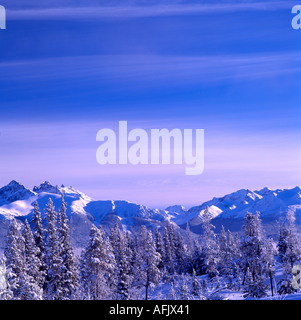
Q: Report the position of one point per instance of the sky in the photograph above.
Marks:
(70, 68)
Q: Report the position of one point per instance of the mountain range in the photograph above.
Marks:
(16, 201)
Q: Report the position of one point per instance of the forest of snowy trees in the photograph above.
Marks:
(39, 261)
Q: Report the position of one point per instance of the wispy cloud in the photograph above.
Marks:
(150, 68)
(132, 11)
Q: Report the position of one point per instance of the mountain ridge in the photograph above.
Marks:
(16, 201)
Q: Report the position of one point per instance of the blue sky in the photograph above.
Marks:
(70, 68)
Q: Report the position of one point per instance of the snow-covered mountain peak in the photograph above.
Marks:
(242, 196)
(70, 191)
(264, 191)
(14, 191)
(46, 187)
(14, 184)
(176, 210)
(236, 204)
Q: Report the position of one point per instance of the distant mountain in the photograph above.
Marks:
(230, 210)
(16, 201)
(176, 210)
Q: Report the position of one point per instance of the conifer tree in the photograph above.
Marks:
(159, 248)
(180, 255)
(291, 256)
(254, 288)
(123, 256)
(97, 266)
(68, 268)
(189, 259)
(292, 253)
(14, 259)
(209, 247)
(225, 256)
(53, 258)
(149, 271)
(172, 239)
(5, 290)
(198, 258)
(232, 260)
(172, 295)
(268, 262)
(251, 246)
(282, 241)
(168, 258)
(39, 238)
(139, 245)
(129, 251)
(32, 278)
(222, 247)
(196, 290)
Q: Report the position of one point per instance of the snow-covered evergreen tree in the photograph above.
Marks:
(197, 290)
(129, 251)
(150, 258)
(282, 241)
(172, 295)
(168, 257)
(251, 246)
(115, 238)
(123, 255)
(225, 257)
(5, 291)
(39, 238)
(291, 255)
(32, 278)
(254, 288)
(223, 243)
(139, 245)
(233, 258)
(268, 262)
(68, 269)
(229, 255)
(180, 255)
(197, 258)
(53, 258)
(14, 259)
(97, 266)
(172, 240)
(209, 247)
(38, 231)
(159, 248)
(184, 290)
(189, 258)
